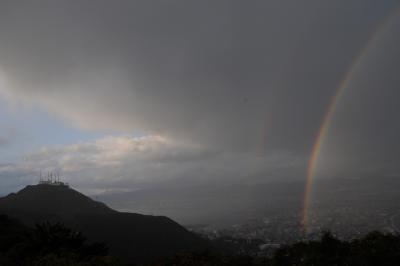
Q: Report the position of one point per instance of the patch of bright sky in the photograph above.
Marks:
(33, 128)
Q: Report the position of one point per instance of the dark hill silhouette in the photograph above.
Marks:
(58, 200)
(132, 237)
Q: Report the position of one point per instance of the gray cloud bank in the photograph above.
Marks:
(242, 77)
(7, 135)
(124, 163)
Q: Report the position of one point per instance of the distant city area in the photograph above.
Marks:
(269, 215)
(285, 229)
(260, 236)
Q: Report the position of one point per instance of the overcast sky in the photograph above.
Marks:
(122, 94)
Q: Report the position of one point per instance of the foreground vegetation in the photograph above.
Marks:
(48, 245)
(374, 249)
(56, 245)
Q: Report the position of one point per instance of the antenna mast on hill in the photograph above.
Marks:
(53, 178)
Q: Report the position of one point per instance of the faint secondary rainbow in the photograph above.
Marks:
(316, 148)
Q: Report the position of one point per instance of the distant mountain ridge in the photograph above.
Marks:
(133, 237)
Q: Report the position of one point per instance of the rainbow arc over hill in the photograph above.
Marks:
(327, 118)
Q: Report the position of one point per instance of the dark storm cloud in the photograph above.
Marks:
(217, 72)
(226, 75)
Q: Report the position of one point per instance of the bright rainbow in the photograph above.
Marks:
(316, 148)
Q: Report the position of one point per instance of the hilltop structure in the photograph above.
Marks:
(52, 179)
